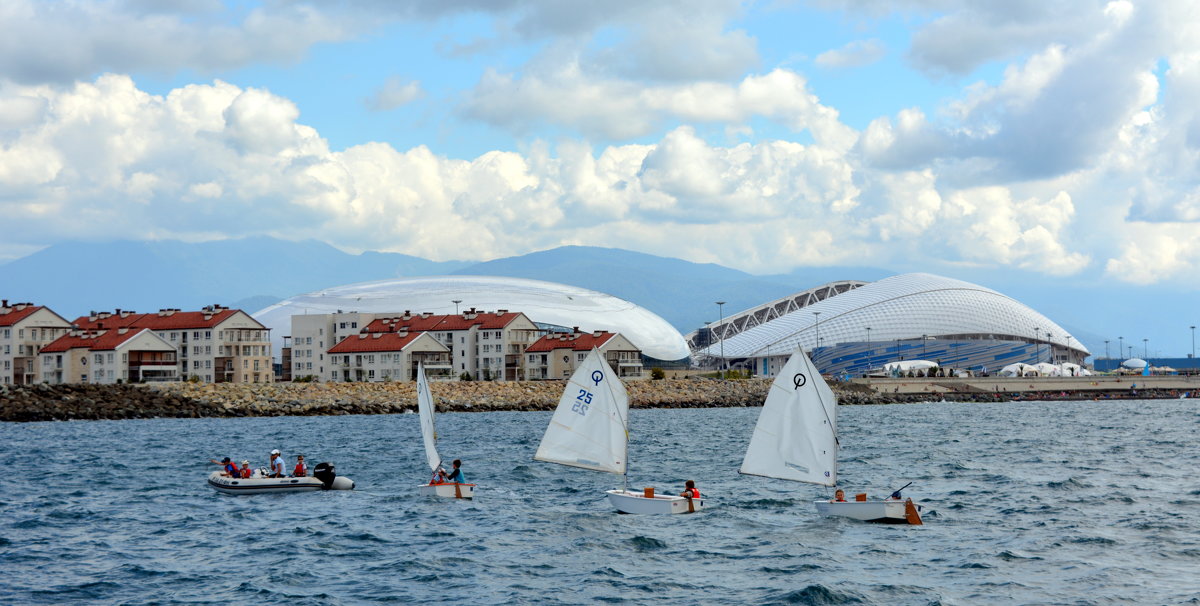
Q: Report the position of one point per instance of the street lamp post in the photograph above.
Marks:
(1106, 349)
(721, 327)
(818, 316)
(1037, 342)
(456, 302)
(1146, 349)
(923, 339)
(1120, 347)
(1050, 346)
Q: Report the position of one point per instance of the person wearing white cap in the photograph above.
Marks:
(276, 464)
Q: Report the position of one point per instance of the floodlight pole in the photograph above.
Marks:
(1037, 343)
(456, 302)
(721, 326)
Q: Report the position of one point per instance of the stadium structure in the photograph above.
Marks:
(854, 328)
(549, 304)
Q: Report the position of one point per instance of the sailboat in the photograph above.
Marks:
(796, 439)
(590, 430)
(451, 490)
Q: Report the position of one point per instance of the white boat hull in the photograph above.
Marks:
(449, 491)
(626, 501)
(887, 512)
(261, 485)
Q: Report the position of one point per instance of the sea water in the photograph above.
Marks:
(1032, 502)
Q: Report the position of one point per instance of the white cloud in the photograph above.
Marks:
(854, 54)
(394, 93)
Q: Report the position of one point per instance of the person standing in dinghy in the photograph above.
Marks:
(276, 464)
(230, 467)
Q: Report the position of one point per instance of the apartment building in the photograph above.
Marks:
(106, 356)
(213, 345)
(24, 329)
(483, 345)
(388, 356)
(557, 355)
(313, 335)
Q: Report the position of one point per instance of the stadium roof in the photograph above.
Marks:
(907, 306)
(542, 302)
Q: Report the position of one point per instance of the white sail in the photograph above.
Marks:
(796, 435)
(425, 407)
(590, 427)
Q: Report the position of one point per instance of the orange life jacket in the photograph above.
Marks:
(695, 492)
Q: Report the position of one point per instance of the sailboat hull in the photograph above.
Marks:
(626, 501)
(448, 491)
(884, 512)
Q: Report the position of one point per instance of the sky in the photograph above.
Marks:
(1053, 140)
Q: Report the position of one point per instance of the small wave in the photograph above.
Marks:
(1011, 555)
(768, 503)
(790, 569)
(819, 594)
(975, 565)
(1094, 541)
(608, 572)
(1068, 484)
(642, 543)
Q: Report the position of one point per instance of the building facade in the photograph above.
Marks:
(557, 355)
(214, 345)
(24, 329)
(117, 355)
(388, 356)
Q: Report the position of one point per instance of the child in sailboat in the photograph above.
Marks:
(456, 474)
(690, 491)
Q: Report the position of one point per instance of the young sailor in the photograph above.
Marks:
(229, 466)
(690, 491)
(301, 469)
(456, 475)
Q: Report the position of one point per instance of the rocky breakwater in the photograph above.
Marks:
(91, 402)
(63, 402)
(455, 396)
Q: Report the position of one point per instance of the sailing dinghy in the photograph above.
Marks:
(590, 430)
(452, 490)
(796, 439)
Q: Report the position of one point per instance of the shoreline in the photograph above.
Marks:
(194, 400)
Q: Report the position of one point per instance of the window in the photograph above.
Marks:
(208, 363)
(485, 335)
(499, 334)
(20, 333)
(110, 358)
(208, 334)
(208, 349)
(354, 325)
(173, 336)
(308, 340)
(99, 358)
(370, 374)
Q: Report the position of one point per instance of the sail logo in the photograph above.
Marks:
(597, 376)
(799, 468)
(799, 380)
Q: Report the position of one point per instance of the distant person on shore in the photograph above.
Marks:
(839, 496)
(230, 468)
(456, 475)
(301, 469)
(690, 491)
(245, 471)
(276, 464)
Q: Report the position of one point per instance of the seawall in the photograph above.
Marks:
(193, 400)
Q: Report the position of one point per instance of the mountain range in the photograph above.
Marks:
(74, 278)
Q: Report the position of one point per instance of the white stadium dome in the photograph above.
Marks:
(905, 307)
(542, 302)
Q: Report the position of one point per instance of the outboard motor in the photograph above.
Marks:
(326, 474)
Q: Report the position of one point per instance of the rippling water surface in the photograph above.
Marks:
(1029, 502)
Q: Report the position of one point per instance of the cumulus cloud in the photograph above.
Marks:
(854, 54)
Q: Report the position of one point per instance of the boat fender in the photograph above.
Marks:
(325, 473)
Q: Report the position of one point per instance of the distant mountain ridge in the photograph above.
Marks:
(252, 273)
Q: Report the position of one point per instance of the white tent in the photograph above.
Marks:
(1018, 370)
(1048, 370)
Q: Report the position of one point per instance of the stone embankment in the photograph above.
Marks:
(194, 400)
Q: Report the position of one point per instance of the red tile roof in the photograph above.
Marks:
(371, 342)
(179, 320)
(485, 320)
(94, 340)
(15, 315)
(579, 342)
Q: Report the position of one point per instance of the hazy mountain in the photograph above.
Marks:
(74, 278)
(251, 273)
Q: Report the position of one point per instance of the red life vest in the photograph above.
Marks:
(245, 473)
(300, 471)
(231, 469)
(695, 492)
